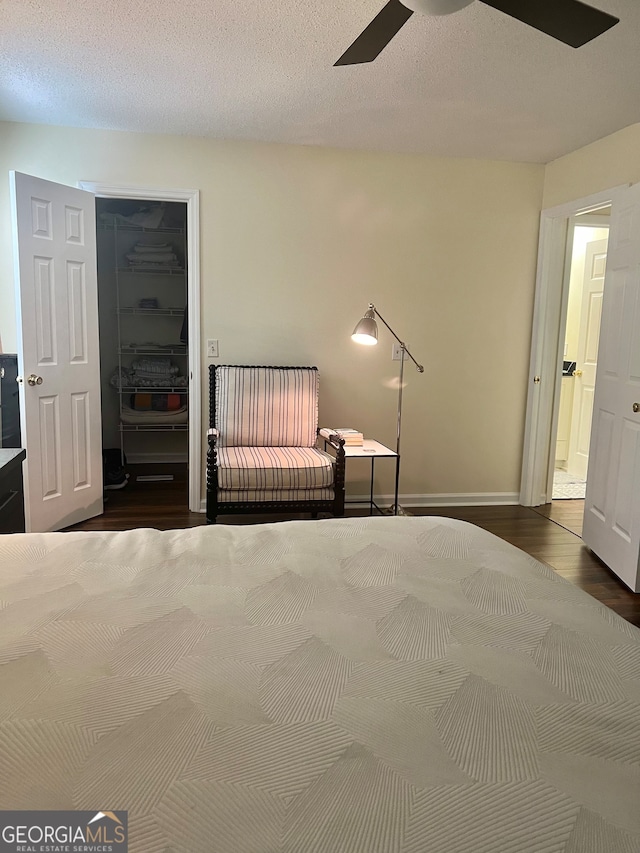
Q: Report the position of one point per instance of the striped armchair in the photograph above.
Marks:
(262, 455)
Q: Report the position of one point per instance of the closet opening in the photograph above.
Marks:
(142, 263)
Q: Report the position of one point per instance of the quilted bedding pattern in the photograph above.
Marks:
(385, 685)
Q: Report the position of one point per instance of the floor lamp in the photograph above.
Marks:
(366, 332)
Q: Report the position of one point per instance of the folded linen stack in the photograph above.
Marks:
(159, 368)
(153, 256)
(149, 373)
(126, 378)
(146, 216)
(151, 417)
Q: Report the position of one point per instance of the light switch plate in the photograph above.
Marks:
(212, 348)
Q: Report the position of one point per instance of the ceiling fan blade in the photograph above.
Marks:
(569, 21)
(389, 20)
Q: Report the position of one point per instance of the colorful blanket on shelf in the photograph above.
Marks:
(150, 402)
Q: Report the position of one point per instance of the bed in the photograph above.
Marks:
(378, 685)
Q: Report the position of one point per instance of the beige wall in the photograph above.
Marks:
(607, 163)
(297, 240)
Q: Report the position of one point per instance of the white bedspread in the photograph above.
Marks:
(386, 685)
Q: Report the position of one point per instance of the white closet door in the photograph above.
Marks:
(57, 305)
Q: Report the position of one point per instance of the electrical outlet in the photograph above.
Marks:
(396, 352)
(212, 348)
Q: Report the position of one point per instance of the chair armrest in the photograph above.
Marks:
(336, 443)
(332, 438)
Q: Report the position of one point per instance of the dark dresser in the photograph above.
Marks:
(9, 401)
(11, 490)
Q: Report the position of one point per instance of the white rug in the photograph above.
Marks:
(567, 487)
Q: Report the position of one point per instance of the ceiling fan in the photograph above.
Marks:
(569, 21)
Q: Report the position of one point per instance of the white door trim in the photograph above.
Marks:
(547, 343)
(192, 200)
(593, 221)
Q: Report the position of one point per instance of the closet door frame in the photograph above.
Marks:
(192, 199)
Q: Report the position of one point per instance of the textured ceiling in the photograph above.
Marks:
(473, 84)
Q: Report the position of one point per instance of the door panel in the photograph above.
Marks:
(612, 504)
(74, 224)
(76, 285)
(594, 315)
(601, 464)
(80, 422)
(587, 357)
(54, 231)
(49, 432)
(45, 300)
(627, 500)
(584, 429)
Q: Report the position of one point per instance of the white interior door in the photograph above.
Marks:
(612, 505)
(58, 354)
(587, 358)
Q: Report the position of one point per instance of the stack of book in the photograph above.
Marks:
(352, 438)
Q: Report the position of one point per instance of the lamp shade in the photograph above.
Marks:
(366, 331)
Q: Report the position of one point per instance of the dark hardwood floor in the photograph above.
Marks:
(549, 533)
(161, 505)
(568, 514)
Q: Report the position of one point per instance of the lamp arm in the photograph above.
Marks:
(402, 344)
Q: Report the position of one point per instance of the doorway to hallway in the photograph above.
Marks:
(588, 238)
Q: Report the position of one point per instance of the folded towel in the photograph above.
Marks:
(153, 265)
(131, 416)
(157, 374)
(157, 402)
(141, 402)
(151, 256)
(153, 247)
(149, 217)
(162, 380)
(154, 364)
(126, 378)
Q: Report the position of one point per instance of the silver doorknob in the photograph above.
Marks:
(32, 379)
(636, 407)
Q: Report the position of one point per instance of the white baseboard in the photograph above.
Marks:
(157, 458)
(473, 499)
(444, 499)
